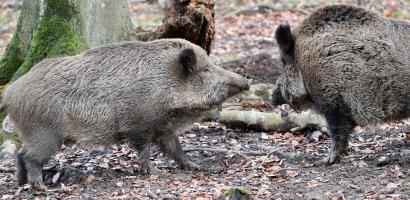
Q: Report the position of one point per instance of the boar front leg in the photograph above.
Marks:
(341, 125)
(143, 147)
(169, 144)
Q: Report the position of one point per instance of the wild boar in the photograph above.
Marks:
(351, 65)
(140, 92)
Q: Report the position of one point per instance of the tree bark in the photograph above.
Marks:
(18, 46)
(192, 20)
(52, 28)
(105, 21)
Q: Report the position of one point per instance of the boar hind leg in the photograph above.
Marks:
(341, 125)
(169, 144)
(21, 168)
(39, 150)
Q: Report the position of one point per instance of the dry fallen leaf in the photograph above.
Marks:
(313, 183)
(338, 198)
(360, 164)
(397, 171)
(120, 184)
(89, 178)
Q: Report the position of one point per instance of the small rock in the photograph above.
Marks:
(382, 161)
(89, 178)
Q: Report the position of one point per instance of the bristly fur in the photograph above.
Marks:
(133, 91)
(352, 65)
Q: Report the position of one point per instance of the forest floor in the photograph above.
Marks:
(377, 167)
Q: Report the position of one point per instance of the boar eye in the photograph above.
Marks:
(206, 69)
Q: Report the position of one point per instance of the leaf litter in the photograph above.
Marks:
(377, 167)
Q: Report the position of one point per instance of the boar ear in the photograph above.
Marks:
(188, 61)
(284, 38)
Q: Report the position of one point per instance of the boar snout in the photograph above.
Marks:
(277, 98)
(238, 84)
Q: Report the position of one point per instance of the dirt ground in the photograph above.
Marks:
(378, 167)
(267, 165)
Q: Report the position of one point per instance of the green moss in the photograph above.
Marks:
(228, 193)
(12, 138)
(53, 37)
(62, 8)
(11, 60)
(143, 36)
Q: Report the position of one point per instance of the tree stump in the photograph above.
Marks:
(192, 20)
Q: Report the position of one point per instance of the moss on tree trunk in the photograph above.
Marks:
(54, 35)
(51, 28)
(11, 60)
(18, 46)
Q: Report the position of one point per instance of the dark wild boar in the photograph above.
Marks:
(351, 65)
(140, 92)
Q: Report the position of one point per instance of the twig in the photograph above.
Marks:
(226, 151)
(63, 188)
(375, 142)
(8, 169)
(277, 152)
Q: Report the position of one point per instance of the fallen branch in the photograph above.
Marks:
(234, 116)
(226, 151)
(277, 152)
(375, 142)
(255, 120)
(8, 169)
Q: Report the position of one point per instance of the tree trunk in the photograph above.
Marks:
(18, 46)
(52, 28)
(192, 20)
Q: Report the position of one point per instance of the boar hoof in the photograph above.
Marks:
(145, 168)
(331, 159)
(38, 186)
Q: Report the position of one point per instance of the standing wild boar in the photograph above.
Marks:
(351, 65)
(140, 92)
